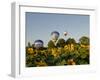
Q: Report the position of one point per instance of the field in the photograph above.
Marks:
(65, 52)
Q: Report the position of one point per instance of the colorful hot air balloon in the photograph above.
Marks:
(65, 33)
(55, 35)
(38, 44)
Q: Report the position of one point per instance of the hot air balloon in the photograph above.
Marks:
(38, 44)
(65, 33)
(55, 35)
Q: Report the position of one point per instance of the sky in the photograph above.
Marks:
(40, 26)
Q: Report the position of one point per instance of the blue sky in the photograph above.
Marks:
(40, 26)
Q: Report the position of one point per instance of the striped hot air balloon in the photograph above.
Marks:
(38, 44)
(55, 35)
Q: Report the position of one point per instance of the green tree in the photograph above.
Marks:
(61, 42)
(29, 44)
(84, 40)
(51, 44)
(70, 41)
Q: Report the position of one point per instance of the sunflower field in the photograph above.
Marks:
(68, 53)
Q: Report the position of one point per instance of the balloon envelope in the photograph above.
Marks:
(38, 43)
(54, 35)
(65, 33)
